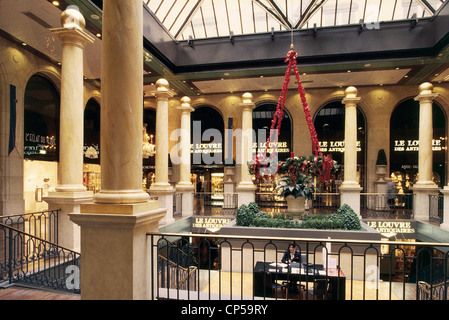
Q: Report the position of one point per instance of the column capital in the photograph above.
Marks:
(163, 90)
(426, 92)
(185, 105)
(76, 36)
(351, 96)
(247, 101)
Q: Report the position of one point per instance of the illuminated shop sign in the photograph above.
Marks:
(413, 145)
(281, 147)
(206, 148)
(336, 146)
(36, 144)
(208, 224)
(392, 228)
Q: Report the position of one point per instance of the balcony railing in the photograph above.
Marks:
(42, 224)
(25, 258)
(375, 205)
(239, 267)
(215, 203)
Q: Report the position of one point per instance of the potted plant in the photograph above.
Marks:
(381, 164)
(296, 183)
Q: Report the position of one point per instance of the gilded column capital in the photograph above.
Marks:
(163, 90)
(185, 106)
(426, 92)
(351, 96)
(247, 101)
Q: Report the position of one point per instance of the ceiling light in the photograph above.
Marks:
(397, 68)
(98, 35)
(94, 16)
(24, 44)
(349, 70)
(406, 76)
(56, 3)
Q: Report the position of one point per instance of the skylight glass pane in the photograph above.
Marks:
(183, 8)
(343, 9)
(316, 18)
(209, 19)
(329, 13)
(198, 26)
(294, 12)
(234, 16)
(260, 19)
(222, 19)
(372, 11)
(247, 20)
(402, 9)
(386, 10)
(154, 4)
(357, 11)
(163, 9)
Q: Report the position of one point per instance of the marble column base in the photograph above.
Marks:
(165, 200)
(116, 250)
(246, 193)
(422, 190)
(188, 191)
(350, 195)
(68, 203)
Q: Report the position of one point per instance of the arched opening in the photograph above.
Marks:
(92, 172)
(41, 141)
(330, 128)
(207, 134)
(404, 145)
(262, 116)
(149, 123)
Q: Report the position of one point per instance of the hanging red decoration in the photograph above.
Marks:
(327, 162)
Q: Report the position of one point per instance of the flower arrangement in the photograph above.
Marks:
(297, 174)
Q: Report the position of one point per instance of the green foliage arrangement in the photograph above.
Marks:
(344, 219)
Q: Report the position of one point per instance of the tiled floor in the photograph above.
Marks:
(23, 293)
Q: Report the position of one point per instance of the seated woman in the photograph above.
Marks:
(291, 255)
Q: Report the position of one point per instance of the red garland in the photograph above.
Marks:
(277, 119)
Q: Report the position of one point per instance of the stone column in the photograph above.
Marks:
(445, 224)
(424, 186)
(350, 188)
(246, 188)
(161, 188)
(70, 191)
(185, 186)
(114, 244)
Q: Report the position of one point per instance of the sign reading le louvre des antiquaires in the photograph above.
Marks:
(404, 228)
(413, 145)
(205, 224)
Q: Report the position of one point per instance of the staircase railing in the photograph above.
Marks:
(429, 291)
(25, 258)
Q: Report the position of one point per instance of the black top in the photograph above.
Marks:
(287, 257)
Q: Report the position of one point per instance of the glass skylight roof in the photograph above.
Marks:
(196, 19)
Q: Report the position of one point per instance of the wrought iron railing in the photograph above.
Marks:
(375, 205)
(42, 224)
(210, 203)
(252, 268)
(25, 258)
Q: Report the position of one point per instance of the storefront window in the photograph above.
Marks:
(262, 117)
(330, 127)
(41, 120)
(91, 169)
(207, 151)
(404, 145)
(149, 122)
